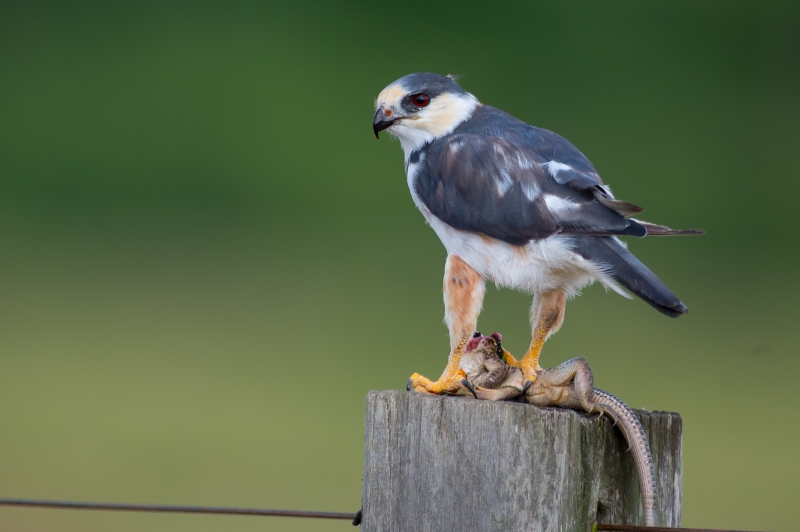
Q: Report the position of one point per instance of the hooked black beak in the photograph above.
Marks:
(381, 121)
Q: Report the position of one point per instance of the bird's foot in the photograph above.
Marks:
(529, 377)
(529, 365)
(528, 369)
(447, 384)
(509, 359)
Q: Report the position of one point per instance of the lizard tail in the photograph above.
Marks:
(634, 434)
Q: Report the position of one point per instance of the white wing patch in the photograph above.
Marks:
(524, 163)
(503, 182)
(530, 189)
(558, 205)
(528, 186)
(553, 167)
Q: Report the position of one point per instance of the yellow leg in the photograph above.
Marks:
(450, 381)
(547, 315)
(509, 359)
(463, 297)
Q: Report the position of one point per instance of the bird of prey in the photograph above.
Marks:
(515, 204)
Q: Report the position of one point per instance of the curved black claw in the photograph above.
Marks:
(358, 517)
(468, 385)
(476, 334)
(408, 385)
(527, 385)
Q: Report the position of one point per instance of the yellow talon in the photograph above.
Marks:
(448, 383)
(509, 359)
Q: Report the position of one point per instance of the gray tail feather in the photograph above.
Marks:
(663, 230)
(629, 271)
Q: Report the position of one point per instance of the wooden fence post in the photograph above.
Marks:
(455, 464)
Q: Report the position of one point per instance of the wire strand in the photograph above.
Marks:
(355, 518)
(174, 509)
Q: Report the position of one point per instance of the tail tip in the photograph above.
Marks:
(677, 310)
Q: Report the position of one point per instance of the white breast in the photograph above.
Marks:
(537, 267)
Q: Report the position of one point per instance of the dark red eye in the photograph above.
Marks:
(421, 100)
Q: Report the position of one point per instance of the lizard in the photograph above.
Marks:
(569, 385)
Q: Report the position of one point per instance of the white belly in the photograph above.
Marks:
(539, 266)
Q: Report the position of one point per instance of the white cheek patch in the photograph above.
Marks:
(558, 205)
(444, 113)
(440, 118)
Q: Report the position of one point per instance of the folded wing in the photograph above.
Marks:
(518, 188)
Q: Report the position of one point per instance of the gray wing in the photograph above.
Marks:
(519, 189)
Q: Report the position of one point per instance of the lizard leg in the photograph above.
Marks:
(463, 298)
(577, 373)
(583, 382)
(512, 384)
(547, 315)
(492, 394)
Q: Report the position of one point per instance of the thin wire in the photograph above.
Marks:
(634, 528)
(354, 518)
(172, 508)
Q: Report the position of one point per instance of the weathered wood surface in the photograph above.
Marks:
(450, 463)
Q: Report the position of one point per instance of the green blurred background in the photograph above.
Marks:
(208, 260)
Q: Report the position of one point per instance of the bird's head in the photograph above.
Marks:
(421, 107)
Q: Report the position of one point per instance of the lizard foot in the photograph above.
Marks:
(491, 394)
(601, 411)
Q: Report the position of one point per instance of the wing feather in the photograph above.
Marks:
(507, 190)
(499, 176)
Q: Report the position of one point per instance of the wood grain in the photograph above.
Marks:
(437, 463)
